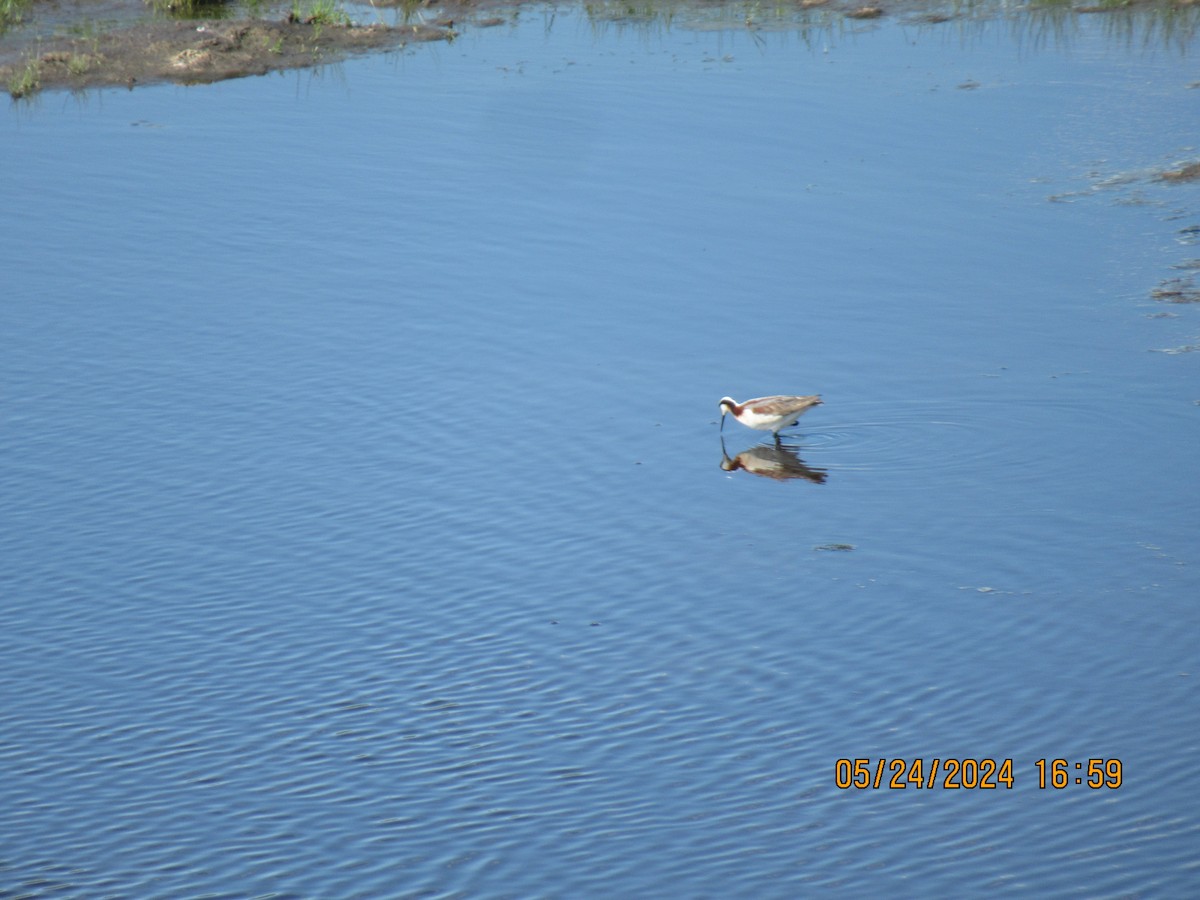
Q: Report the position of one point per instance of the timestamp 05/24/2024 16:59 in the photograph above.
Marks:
(973, 774)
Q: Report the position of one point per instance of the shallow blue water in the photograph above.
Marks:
(364, 525)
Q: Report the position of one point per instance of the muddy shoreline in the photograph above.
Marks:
(133, 45)
(156, 49)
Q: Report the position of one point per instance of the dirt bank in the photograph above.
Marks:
(198, 51)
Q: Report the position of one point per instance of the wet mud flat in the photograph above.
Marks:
(150, 49)
(70, 44)
(191, 52)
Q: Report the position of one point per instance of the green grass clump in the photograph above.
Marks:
(321, 12)
(189, 9)
(11, 13)
(79, 63)
(25, 81)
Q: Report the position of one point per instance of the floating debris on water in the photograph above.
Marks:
(1186, 172)
(1177, 290)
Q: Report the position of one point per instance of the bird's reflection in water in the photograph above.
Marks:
(779, 461)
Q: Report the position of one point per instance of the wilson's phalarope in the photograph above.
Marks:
(768, 413)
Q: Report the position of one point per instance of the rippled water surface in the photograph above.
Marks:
(367, 531)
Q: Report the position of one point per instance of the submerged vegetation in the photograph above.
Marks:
(1150, 21)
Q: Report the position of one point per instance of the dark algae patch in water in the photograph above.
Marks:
(1178, 290)
(1189, 172)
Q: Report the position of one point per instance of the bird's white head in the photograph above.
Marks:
(726, 405)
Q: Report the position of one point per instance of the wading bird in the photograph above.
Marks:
(768, 413)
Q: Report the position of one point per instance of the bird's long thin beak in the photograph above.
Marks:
(722, 428)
